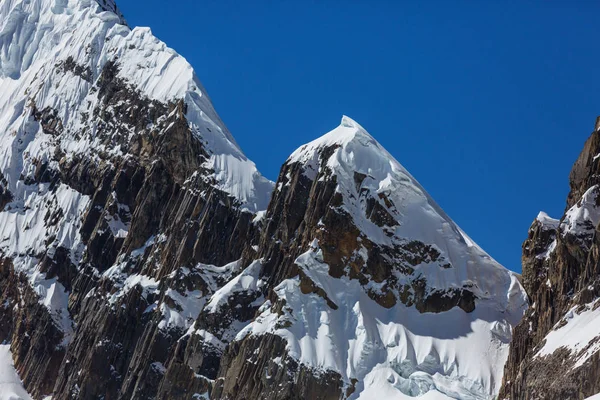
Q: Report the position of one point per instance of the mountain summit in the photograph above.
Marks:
(375, 291)
(55, 53)
(143, 256)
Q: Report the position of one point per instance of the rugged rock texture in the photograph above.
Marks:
(117, 198)
(561, 269)
(264, 376)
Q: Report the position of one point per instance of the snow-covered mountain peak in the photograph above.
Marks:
(380, 265)
(55, 52)
(347, 132)
(349, 122)
(391, 209)
(111, 5)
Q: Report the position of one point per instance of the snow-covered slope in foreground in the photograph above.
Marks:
(431, 318)
(11, 387)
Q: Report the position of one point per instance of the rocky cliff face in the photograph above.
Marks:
(143, 256)
(121, 188)
(554, 354)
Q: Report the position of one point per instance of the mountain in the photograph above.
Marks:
(375, 291)
(143, 256)
(554, 354)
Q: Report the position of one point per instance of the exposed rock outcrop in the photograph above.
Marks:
(554, 353)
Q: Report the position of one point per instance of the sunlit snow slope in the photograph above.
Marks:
(11, 387)
(50, 53)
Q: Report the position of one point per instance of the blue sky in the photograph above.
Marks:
(487, 103)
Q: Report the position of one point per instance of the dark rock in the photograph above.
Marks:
(556, 281)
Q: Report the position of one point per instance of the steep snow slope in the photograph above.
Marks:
(417, 215)
(11, 387)
(412, 333)
(42, 39)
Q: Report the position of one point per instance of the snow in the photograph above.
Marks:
(213, 275)
(247, 281)
(418, 215)
(11, 387)
(547, 221)
(36, 35)
(584, 216)
(594, 397)
(146, 283)
(190, 304)
(395, 353)
(581, 329)
(54, 296)
(25, 236)
(260, 216)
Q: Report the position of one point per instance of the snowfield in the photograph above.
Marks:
(11, 387)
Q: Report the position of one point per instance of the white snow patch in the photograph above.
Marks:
(547, 221)
(11, 386)
(259, 217)
(584, 216)
(247, 281)
(580, 329)
(190, 305)
(146, 283)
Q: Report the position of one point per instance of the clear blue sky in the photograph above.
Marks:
(487, 103)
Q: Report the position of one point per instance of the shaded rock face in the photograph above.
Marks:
(561, 268)
(266, 374)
